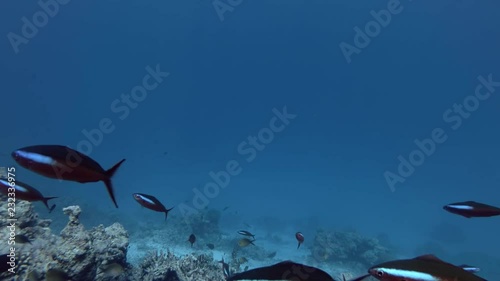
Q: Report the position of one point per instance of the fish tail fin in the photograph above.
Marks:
(107, 181)
(166, 212)
(45, 201)
(109, 173)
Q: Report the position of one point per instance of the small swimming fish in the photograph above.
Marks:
(286, 270)
(245, 242)
(192, 239)
(26, 192)
(300, 238)
(150, 202)
(470, 209)
(114, 270)
(225, 269)
(22, 239)
(271, 255)
(246, 268)
(210, 246)
(56, 275)
(246, 233)
(64, 163)
(426, 267)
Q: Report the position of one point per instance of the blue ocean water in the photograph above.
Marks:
(233, 70)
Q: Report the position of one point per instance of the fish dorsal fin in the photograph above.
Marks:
(429, 257)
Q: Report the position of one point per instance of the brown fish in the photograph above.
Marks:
(470, 209)
(286, 270)
(426, 267)
(64, 163)
(300, 238)
(24, 191)
(150, 202)
(192, 239)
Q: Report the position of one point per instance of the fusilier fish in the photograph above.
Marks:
(470, 209)
(426, 268)
(150, 202)
(25, 191)
(64, 163)
(300, 238)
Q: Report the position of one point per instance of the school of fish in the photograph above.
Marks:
(63, 163)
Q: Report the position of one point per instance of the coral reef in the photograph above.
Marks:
(158, 266)
(77, 252)
(87, 254)
(348, 248)
(102, 253)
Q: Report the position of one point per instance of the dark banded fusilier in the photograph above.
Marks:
(63, 163)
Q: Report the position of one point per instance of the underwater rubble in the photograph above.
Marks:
(86, 254)
(165, 266)
(348, 248)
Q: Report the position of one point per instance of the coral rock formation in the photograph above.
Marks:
(348, 248)
(77, 252)
(159, 266)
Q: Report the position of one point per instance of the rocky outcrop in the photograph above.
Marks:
(164, 266)
(348, 248)
(79, 253)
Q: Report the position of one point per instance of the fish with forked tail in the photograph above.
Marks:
(426, 267)
(24, 191)
(150, 202)
(471, 209)
(64, 163)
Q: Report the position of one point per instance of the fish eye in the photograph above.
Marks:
(380, 273)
